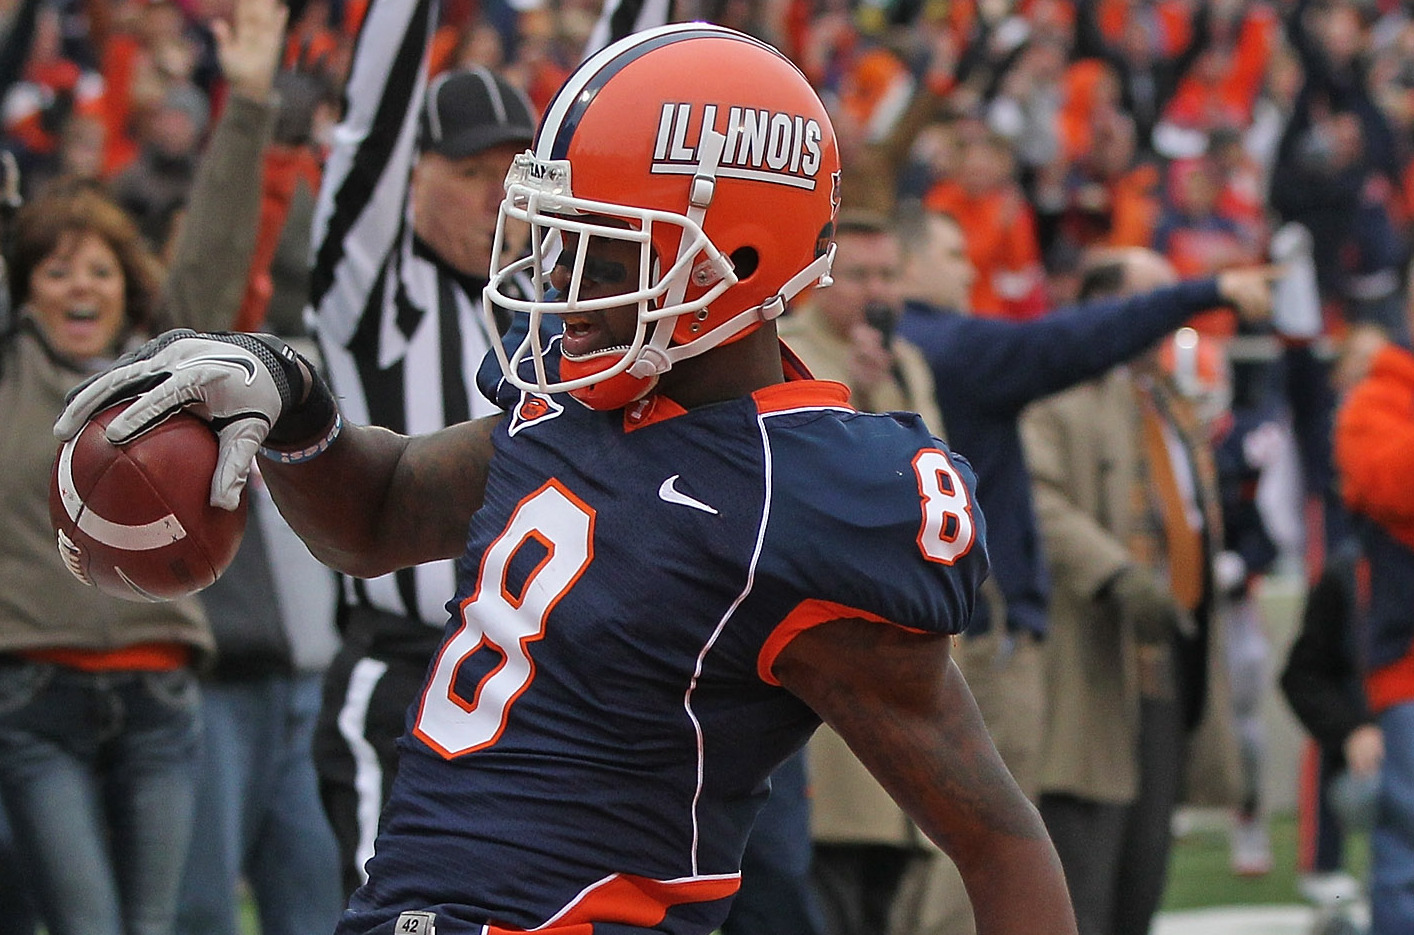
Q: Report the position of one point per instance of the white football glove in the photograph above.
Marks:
(245, 385)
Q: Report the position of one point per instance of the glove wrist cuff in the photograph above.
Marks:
(307, 407)
(304, 423)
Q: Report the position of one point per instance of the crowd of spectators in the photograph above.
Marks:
(1195, 127)
(1045, 128)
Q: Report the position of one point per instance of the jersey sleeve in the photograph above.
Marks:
(871, 518)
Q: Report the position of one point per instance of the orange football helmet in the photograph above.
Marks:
(707, 149)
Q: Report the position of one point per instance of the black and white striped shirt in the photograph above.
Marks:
(401, 333)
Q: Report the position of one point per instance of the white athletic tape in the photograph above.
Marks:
(153, 535)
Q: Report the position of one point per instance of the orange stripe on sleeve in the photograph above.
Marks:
(807, 614)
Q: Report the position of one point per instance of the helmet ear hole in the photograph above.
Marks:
(744, 261)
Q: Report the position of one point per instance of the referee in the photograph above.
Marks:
(402, 243)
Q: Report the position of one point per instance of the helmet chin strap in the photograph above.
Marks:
(771, 309)
(655, 357)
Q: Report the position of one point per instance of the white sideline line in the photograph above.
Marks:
(1244, 920)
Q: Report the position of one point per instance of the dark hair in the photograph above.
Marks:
(1102, 279)
(44, 224)
(860, 221)
(911, 221)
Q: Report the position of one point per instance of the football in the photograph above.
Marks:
(133, 520)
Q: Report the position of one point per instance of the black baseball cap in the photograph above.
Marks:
(472, 109)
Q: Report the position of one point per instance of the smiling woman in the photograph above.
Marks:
(82, 274)
(85, 287)
(98, 696)
(77, 296)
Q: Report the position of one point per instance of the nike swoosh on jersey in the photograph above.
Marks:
(668, 493)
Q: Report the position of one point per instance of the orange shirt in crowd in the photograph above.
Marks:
(311, 41)
(1373, 444)
(119, 64)
(1228, 100)
(1086, 86)
(1134, 207)
(285, 168)
(1002, 244)
(1244, 199)
(102, 97)
(876, 86)
(445, 42)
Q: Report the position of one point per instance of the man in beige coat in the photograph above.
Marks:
(1129, 673)
(845, 332)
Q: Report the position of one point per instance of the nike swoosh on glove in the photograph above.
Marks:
(245, 385)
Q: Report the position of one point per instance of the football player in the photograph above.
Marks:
(677, 552)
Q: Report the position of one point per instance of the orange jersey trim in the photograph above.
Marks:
(794, 393)
(809, 613)
(1390, 685)
(631, 900)
(650, 410)
(144, 657)
(801, 394)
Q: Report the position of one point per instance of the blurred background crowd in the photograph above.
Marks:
(1221, 135)
(1198, 128)
(1045, 126)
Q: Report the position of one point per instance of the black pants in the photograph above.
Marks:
(857, 884)
(1116, 857)
(362, 715)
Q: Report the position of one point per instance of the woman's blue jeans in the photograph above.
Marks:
(98, 775)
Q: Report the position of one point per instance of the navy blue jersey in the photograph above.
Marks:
(598, 728)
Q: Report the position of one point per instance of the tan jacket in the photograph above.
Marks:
(1081, 447)
(827, 355)
(41, 605)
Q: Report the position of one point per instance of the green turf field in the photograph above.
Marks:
(1199, 875)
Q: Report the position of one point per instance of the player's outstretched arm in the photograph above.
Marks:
(902, 706)
(366, 501)
(376, 501)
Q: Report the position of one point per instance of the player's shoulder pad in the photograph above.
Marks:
(876, 513)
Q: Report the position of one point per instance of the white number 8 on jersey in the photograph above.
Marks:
(495, 620)
(948, 530)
